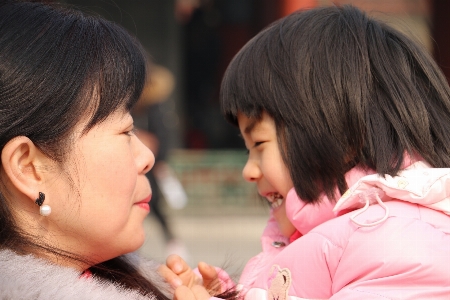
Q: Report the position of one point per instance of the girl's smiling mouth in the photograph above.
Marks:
(275, 200)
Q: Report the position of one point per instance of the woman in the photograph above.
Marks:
(73, 188)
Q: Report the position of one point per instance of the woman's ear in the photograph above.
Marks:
(22, 162)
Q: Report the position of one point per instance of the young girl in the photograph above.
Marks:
(347, 123)
(73, 192)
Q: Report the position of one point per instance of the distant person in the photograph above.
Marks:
(347, 124)
(156, 136)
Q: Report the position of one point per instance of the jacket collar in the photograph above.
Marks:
(305, 216)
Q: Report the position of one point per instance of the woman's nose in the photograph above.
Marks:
(145, 159)
(251, 171)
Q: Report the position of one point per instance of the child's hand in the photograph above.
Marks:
(210, 278)
(177, 272)
(197, 292)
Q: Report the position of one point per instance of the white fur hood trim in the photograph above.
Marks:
(419, 183)
(26, 277)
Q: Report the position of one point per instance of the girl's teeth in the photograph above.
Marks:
(275, 200)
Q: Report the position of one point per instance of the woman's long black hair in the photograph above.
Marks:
(58, 66)
(344, 90)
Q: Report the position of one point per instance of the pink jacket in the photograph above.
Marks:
(386, 238)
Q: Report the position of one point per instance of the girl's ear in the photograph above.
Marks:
(22, 162)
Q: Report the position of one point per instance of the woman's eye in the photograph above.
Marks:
(257, 144)
(130, 132)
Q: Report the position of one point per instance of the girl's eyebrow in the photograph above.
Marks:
(250, 126)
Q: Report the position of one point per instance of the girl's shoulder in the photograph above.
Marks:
(401, 250)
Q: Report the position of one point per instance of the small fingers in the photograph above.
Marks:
(169, 276)
(197, 292)
(210, 277)
(200, 292)
(183, 293)
(181, 269)
(177, 264)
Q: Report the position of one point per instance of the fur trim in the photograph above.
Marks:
(27, 277)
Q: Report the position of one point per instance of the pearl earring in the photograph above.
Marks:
(44, 210)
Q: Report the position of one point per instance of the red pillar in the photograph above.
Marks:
(289, 6)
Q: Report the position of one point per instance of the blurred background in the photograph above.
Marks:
(205, 210)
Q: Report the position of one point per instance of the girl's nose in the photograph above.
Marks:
(251, 171)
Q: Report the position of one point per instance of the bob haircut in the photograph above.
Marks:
(343, 90)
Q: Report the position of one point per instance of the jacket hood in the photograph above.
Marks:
(418, 183)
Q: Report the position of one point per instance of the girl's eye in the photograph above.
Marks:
(254, 146)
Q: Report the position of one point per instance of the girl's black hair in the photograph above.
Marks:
(59, 67)
(344, 90)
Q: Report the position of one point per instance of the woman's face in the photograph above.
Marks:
(101, 198)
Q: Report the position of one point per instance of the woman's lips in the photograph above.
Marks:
(144, 204)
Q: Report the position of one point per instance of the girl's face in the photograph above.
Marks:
(265, 166)
(101, 198)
